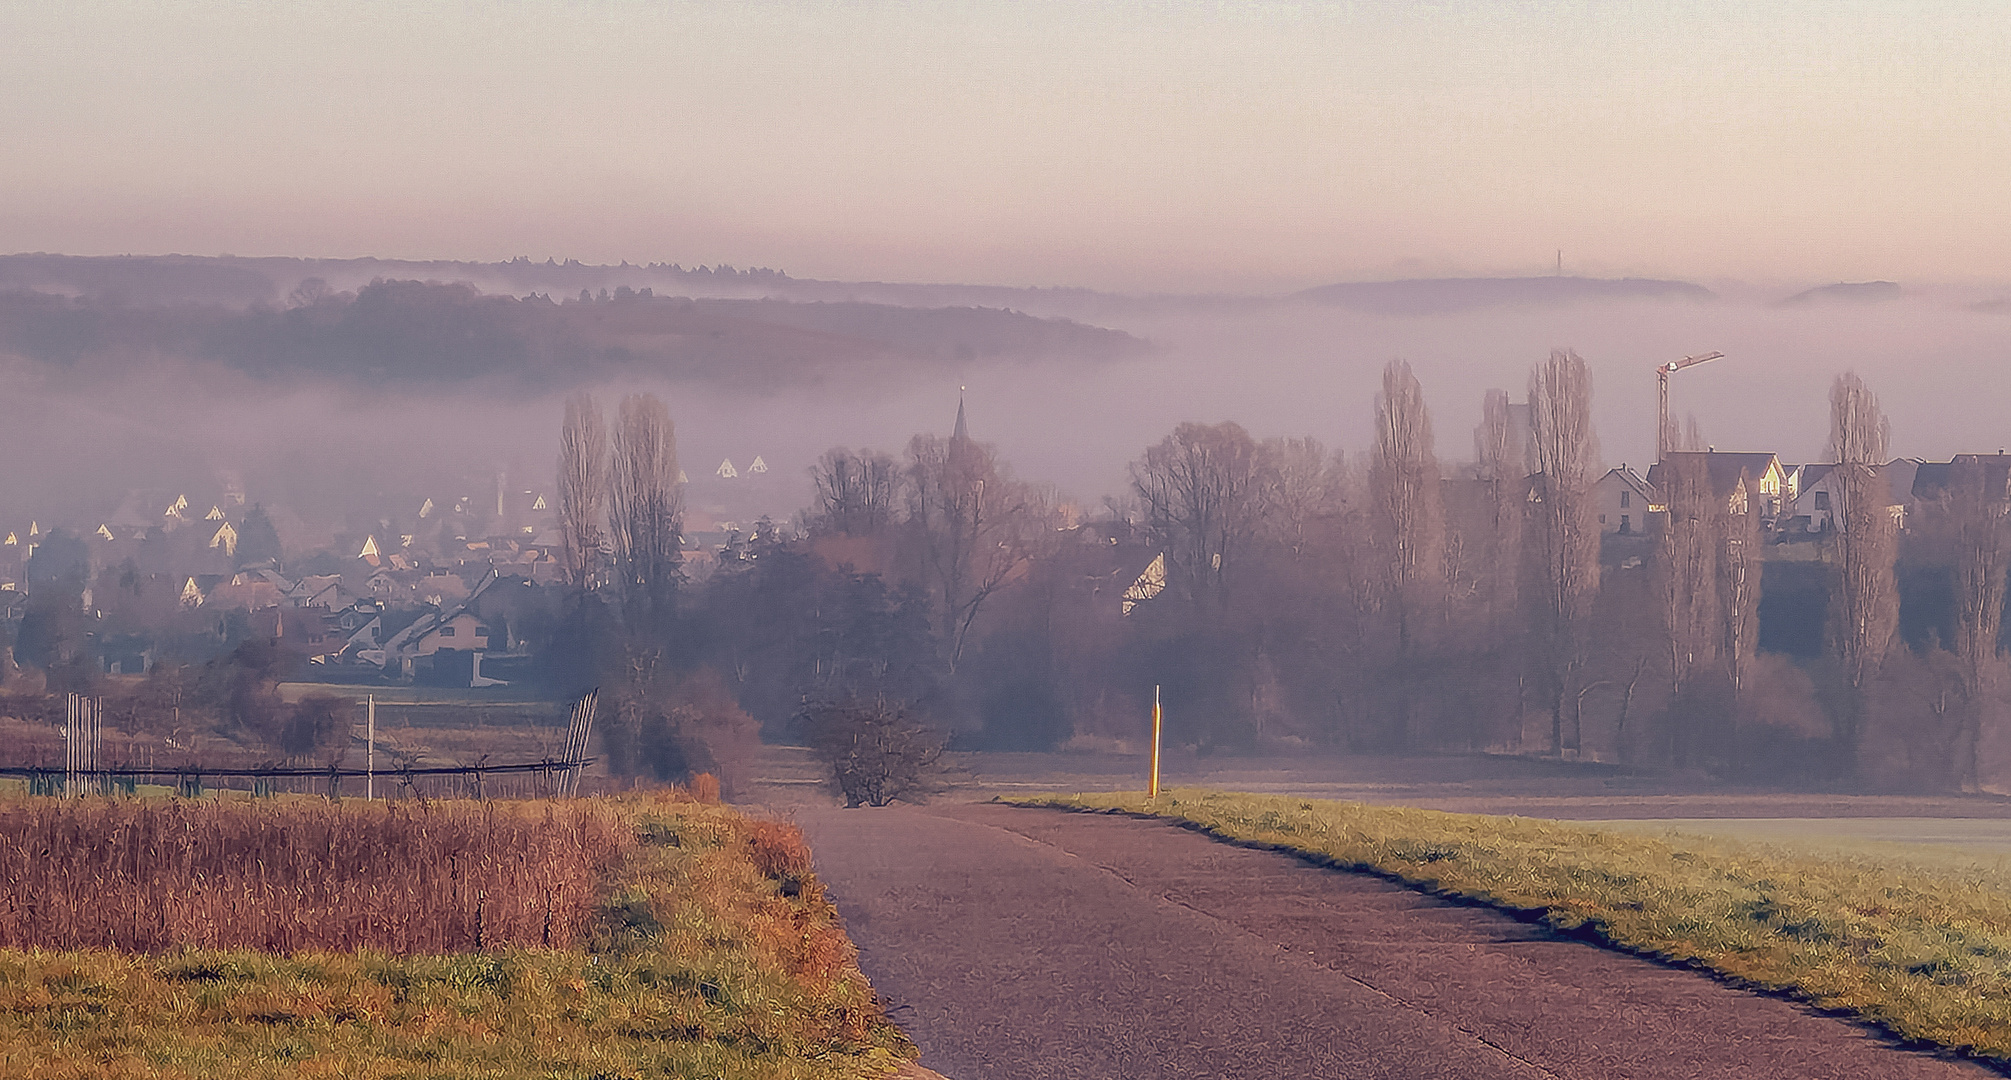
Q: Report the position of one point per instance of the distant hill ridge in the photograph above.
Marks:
(429, 333)
(1848, 292)
(147, 280)
(1437, 295)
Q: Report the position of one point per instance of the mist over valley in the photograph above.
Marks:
(347, 388)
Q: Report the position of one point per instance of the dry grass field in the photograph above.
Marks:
(304, 938)
(404, 877)
(1920, 949)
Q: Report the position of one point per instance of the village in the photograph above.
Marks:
(433, 596)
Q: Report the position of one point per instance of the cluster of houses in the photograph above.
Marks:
(404, 596)
(403, 602)
(1797, 504)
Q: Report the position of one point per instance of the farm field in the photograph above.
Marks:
(644, 935)
(1979, 844)
(1920, 945)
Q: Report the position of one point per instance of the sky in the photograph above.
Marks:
(1139, 146)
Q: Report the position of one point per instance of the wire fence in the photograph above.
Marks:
(550, 777)
(83, 773)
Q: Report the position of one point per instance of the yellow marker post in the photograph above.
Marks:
(1158, 721)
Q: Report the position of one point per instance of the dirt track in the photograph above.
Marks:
(1027, 943)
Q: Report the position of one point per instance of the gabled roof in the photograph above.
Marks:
(265, 574)
(431, 618)
(1813, 473)
(1632, 480)
(1899, 476)
(196, 588)
(314, 585)
(1932, 479)
(1725, 469)
(397, 622)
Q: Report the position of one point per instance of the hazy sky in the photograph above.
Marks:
(1225, 145)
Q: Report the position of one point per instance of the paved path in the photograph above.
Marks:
(1027, 943)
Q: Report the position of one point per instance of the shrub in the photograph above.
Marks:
(674, 728)
(779, 849)
(876, 750)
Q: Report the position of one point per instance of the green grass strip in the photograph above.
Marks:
(1922, 951)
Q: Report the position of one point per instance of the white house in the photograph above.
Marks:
(1622, 498)
(1817, 495)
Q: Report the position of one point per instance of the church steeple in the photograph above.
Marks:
(961, 434)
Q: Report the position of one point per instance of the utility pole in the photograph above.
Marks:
(370, 747)
(1662, 373)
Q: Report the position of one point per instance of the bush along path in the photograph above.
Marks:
(708, 947)
(1920, 952)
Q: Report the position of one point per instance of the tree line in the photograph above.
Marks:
(1285, 595)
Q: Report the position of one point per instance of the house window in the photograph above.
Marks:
(1626, 525)
(1626, 499)
(446, 631)
(1822, 500)
(1602, 519)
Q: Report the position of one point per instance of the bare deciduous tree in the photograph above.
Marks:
(975, 526)
(1567, 452)
(583, 463)
(1404, 492)
(1687, 566)
(1740, 563)
(1304, 485)
(1864, 613)
(1978, 502)
(646, 506)
(856, 493)
(1409, 516)
(1203, 488)
(1503, 467)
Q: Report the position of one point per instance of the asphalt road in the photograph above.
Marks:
(1028, 943)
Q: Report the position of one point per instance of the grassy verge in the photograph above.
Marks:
(711, 951)
(1922, 951)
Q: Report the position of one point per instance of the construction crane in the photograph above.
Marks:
(1662, 373)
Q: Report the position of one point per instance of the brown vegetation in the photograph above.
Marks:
(876, 750)
(700, 945)
(307, 875)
